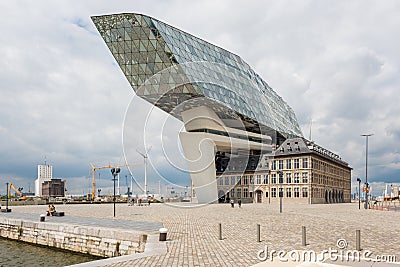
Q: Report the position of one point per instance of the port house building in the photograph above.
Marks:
(238, 131)
(299, 171)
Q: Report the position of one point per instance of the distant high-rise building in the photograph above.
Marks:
(45, 173)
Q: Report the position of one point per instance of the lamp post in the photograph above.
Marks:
(366, 168)
(359, 193)
(129, 192)
(114, 172)
(7, 209)
(119, 188)
(8, 192)
(269, 187)
(7, 196)
(280, 173)
(131, 184)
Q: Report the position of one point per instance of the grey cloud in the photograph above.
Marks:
(62, 94)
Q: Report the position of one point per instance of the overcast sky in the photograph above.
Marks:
(63, 96)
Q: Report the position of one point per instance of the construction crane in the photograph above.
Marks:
(94, 168)
(18, 191)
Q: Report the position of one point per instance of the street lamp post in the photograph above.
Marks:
(7, 196)
(131, 184)
(366, 169)
(7, 209)
(8, 191)
(114, 172)
(280, 173)
(269, 186)
(129, 192)
(359, 193)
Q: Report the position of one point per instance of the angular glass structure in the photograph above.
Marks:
(231, 116)
(144, 47)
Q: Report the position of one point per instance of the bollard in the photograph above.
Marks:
(258, 233)
(163, 234)
(303, 236)
(358, 240)
(42, 217)
(220, 231)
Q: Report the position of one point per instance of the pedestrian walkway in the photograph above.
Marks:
(142, 226)
(193, 233)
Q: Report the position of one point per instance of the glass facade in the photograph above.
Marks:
(168, 67)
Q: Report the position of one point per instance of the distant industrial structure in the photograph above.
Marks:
(54, 188)
(46, 186)
(390, 193)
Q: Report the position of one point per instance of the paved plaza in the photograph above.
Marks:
(193, 238)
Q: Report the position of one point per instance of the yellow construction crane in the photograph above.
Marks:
(94, 168)
(21, 196)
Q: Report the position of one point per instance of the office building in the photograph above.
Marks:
(45, 173)
(232, 117)
(299, 170)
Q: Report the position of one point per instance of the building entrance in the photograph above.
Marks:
(259, 196)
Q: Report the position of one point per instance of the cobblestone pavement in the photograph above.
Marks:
(193, 232)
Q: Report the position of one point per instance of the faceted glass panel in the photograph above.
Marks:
(146, 48)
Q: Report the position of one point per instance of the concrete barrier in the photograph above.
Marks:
(96, 241)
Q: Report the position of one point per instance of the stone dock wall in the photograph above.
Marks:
(21, 203)
(96, 241)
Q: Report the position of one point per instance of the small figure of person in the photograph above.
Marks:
(240, 203)
(51, 210)
(149, 201)
(140, 202)
(232, 203)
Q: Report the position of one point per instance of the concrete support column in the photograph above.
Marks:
(200, 155)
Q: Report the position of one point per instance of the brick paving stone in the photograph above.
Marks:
(193, 232)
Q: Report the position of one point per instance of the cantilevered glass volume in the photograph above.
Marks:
(214, 92)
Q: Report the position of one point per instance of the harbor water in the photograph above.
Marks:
(14, 253)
